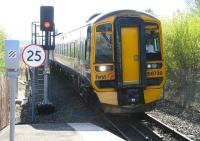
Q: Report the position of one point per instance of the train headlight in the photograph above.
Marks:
(103, 68)
(154, 66)
(148, 66)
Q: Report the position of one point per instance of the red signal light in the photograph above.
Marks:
(47, 24)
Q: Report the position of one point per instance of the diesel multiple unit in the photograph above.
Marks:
(116, 59)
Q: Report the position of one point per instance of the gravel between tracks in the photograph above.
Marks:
(184, 121)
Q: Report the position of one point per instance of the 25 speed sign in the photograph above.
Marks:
(33, 55)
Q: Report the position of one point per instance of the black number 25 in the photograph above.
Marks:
(37, 54)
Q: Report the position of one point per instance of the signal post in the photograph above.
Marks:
(47, 26)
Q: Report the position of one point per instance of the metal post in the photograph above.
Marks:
(33, 95)
(35, 34)
(46, 67)
(12, 75)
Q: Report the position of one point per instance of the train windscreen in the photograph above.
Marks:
(152, 38)
(104, 47)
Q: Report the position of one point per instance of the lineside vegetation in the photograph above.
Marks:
(181, 37)
(2, 38)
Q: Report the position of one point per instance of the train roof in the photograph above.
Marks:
(99, 16)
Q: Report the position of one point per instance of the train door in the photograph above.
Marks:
(130, 55)
(130, 52)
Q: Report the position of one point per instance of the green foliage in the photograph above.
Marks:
(2, 38)
(182, 42)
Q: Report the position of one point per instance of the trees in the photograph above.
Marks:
(150, 11)
(182, 43)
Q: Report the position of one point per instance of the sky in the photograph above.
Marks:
(16, 15)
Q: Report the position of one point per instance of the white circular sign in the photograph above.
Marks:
(33, 55)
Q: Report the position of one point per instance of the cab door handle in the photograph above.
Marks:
(136, 58)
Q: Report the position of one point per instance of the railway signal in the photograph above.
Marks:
(47, 18)
(47, 26)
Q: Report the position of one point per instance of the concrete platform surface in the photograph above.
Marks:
(59, 132)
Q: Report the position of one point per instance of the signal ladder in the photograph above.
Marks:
(37, 38)
(36, 75)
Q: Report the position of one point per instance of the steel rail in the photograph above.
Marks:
(175, 133)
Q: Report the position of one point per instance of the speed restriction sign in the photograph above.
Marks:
(33, 55)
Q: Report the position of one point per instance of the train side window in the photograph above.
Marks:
(83, 50)
(59, 49)
(68, 52)
(88, 45)
(76, 50)
(63, 49)
(73, 50)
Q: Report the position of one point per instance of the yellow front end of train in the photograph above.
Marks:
(127, 61)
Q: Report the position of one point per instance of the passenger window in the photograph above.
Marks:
(88, 45)
(69, 50)
(83, 50)
(72, 50)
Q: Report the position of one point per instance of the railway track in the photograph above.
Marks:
(133, 129)
(139, 128)
(177, 135)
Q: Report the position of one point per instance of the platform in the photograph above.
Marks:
(60, 132)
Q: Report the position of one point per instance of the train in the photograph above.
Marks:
(115, 60)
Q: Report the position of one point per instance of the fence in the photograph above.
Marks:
(4, 101)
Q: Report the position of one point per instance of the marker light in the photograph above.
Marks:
(154, 66)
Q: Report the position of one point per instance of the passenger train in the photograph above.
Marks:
(108, 61)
